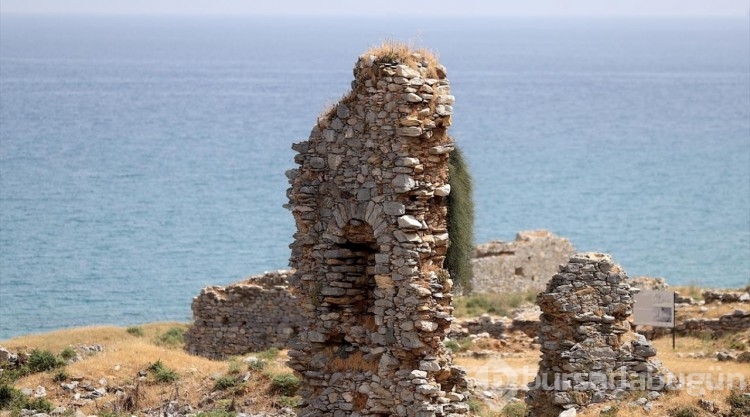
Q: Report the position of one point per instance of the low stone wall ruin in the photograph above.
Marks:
(713, 296)
(737, 321)
(268, 306)
(527, 263)
(255, 314)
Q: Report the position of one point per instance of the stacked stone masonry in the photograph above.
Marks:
(252, 315)
(525, 264)
(726, 297)
(369, 203)
(589, 352)
(736, 321)
(259, 313)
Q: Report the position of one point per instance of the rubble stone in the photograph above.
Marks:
(255, 314)
(713, 296)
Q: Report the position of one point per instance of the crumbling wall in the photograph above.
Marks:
(715, 296)
(589, 352)
(527, 263)
(255, 314)
(734, 322)
(369, 203)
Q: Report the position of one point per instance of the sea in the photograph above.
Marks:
(143, 157)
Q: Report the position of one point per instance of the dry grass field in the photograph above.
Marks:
(126, 366)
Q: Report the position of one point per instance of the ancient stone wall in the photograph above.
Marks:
(736, 321)
(255, 314)
(589, 352)
(714, 296)
(369, 203)
(527, 263)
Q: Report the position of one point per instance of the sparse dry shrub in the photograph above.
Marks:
(130, 399)
(685, 411)
(514, 409)
(396, 52)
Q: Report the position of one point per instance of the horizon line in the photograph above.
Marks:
(374, 15)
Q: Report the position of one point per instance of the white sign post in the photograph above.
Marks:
(654, 308)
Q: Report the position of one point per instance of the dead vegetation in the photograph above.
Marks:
(139, 374)
(395, 52)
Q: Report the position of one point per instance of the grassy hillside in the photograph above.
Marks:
(145, 368)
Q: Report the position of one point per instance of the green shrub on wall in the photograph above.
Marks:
(460, 223)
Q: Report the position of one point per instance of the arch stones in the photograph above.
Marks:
(369, 204)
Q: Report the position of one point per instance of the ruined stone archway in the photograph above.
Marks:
(352, 296)
(370, 243)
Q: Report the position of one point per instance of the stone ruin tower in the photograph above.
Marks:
(369, 203)
(589, 352)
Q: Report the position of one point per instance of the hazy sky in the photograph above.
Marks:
(407, 7)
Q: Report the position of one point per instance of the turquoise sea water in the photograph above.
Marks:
(142, 158)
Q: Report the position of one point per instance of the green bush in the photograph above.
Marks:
(739, 404)
(156, 366)
(68, 353)
(284, 384)
(285, 401)
(269, 354)
(174, 337)
(225, 382)
(39, 404)
(135, 331)
(13, 399)
(514, 409)
(7, 393)
(166, 375)
(460, 204)
(61, 376)
(162, 373)
(8, 376)
(257, 365)
(457, 346)
(235, 366)
(43, 361)
(452, 345)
